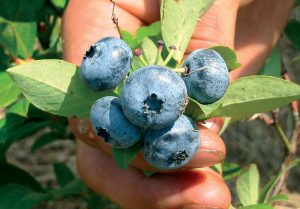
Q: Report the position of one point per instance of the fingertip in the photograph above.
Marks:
(212, 149)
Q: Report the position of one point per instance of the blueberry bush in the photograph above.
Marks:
(39, 91)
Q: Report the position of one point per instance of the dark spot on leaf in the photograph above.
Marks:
(152, 104)
(178, 157)
(103, 133)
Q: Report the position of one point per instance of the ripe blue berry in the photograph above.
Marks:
(153, 97)
(110, 123)
(208, 77)
(106, 63)
(173, 146)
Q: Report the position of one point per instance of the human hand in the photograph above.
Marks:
(87, 21)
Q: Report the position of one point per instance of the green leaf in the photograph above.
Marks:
(26, 36)
(45, 140)
(8, 38)
(5, 60)
(74, 187)
(129, 39)
(63, 174)
(226, 123)
(8, 91)
(8, 133)
(178, 22)
(21, 10)
(292, 32)
(267, 189)
(199, 112)
(20, 37)
(12, 174)
(20, 108)
(247, 186)
(55, 86)
(230, 170)
(149, 54)
(14, 196)
(256, 94)
(61, 4)
(151, 30)
(149, 51)
(30, 200)
(228, 55)
(217, 168)
(136, 64)
(123, 157)
(93, 201)
(279, 197)
(55, 34)
(297, 2)
(258, 206)
(272, 65)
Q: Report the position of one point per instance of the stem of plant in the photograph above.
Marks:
(141, 58)
(294, 142)
(180, 70)
(115, 19)
(281, 133)
(139, 53)
(160, 46)
(172, 50)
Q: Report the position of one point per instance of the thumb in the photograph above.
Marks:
(216, 26)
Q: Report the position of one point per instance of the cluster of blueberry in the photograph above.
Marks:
(152, 100)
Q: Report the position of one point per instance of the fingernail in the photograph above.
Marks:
(208, 124)
(198, 207)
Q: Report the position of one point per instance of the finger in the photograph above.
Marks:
(259, 26)
(85, 22)
(146, 10)
(216, 26)
(211, 151)
(129, 188)
(214, 124)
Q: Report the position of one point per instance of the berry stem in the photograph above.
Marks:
(172, 50)
(115, 19)
(139, 53)
(180, 70)
(160, 46)
(141, 58)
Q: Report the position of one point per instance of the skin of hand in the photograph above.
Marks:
(251, 27)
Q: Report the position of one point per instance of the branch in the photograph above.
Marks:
(115, 19)
(292, 145)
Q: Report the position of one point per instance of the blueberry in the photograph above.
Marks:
(208, 77)
(106, 63)
(173, 146)
(110, 123)
(153, 97)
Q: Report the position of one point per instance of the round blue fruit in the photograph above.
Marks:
(153, 97)
(208, 77)
(173, 146)
(105, 64)
(110, 123)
